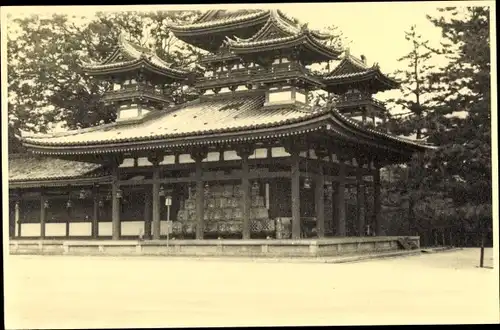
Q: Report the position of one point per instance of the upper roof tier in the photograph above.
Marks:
(209, 31)
(129, 57)
(280, 33)
(353, 72)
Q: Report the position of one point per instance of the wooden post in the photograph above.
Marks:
(295, 183)
(319, 198)
(379, 226)
(115, 205)
(156, 224)
(246, 202)
(95, 216)
(147, 214)
(198, 157)
(17, 219)
(481, 260)
(43, 213)
(155, 158)
(340, 198)
(360, 199)
(68, 217)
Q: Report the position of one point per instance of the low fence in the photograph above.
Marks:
(450, 237)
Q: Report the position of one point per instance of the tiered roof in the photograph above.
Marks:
(210, 29)
(279, 33)
(352, 70)
(238, 116)
(223, 119)
(128, 56)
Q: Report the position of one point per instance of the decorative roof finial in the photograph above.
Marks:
(347, 52)
(363, 59)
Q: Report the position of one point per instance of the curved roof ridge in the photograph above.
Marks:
(220, 21)
(274, 20)
(361, 128)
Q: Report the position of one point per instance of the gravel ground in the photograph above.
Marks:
(85, 292)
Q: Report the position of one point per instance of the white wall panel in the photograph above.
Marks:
(55, 229)
(105, 228)
(132, 228)
(80, 229)
(30, 230)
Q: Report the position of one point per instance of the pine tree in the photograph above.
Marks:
(462, 166)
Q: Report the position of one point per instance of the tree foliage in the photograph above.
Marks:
(46, 84)
(415, 87)
(451, 186)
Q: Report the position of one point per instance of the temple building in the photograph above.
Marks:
(250, 157)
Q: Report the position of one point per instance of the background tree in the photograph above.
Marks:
(46, 84)
(462, 167)
(415, 87)
(451, 186)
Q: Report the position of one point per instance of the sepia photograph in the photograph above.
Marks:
(228, 165)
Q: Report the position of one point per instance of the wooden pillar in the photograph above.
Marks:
(295, 183)
(340, 198)
(246, 201)
(147, 214)
(43, 213)
(155, 159)
(68, 218)
(95, 215)
(115, 205)
(319, 200)
(377, 219)
(198, 157)
(155, 199)
(17, 219)
(360, 199)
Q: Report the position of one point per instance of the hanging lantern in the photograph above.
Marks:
(255, 185)
(119, 193)
(162, 191)
(108, 196)
(82, 194)
(307, 183)
(101, 203)
(46, 204)
(69, 204)
(207, 188)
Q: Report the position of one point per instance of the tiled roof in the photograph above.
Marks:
(215, 18)
(304, 37)
(134, 54)
(197, 118)
(279, 30)
(27, 167)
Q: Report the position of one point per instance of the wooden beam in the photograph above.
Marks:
(147, 214)
(340, 201)
(319, 196)
(295, 182)
(95, 217)
(17, 219)
(43, 213)
(198, 157)
(155, 158)
(360, 201)
(115, 206)
(156, 225)
(246, 202)
(379, 226)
